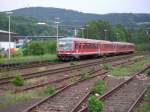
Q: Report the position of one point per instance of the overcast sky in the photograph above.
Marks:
(88, 6)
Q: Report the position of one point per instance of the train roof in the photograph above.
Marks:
(123, 43)
(94, 40)
(83, 39)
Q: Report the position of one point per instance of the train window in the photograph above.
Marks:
(79, 46)
(76, 45)
(65, 44)
(108, 46)
(89, 46)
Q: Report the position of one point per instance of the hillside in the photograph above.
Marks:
(71, 17)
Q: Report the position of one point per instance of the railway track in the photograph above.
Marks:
(6, 80)
(138, 100)
(16, 66)
(66, 98)
(62, 99)
(22, 89)
(85, 95)
(121, 97)
(9, 67)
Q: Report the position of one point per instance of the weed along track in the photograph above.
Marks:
(69, 86)
(65, 99)
(6, 80)
(61, 101)
(138, 100)
(123, 95)
(16, 66)
(31, 64)
(142, 103)
(58, 79)
(65, 79)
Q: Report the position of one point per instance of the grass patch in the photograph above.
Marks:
(147, 95)
(143, 108)
(35, 80)
(94, 104)
(107, 67)
(98, 87)
(124, 69)
(72, 80)
(22, 59)
(18, 81)
(41, 69)
(148, 73)
(74, 63)
(91, 69)
(9, 73)
(85, 76)
(12, 98)
(47, 91)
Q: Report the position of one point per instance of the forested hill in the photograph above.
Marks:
(77, 18)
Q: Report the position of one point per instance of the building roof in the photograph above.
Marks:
(6, 32)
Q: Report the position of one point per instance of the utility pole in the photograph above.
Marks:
(57, 30)
(105, 33)
(82, 32)
(87, 30)
(9, 53)
(75, 32)
(117, 36)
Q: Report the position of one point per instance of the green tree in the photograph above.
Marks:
(95, 30)
(120, 33)
(143, 37)
(39, 47)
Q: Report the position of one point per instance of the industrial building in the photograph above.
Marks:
(4, 40)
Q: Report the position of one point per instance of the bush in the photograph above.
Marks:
(148, 73)
(94, 104)
(143, 47)
(49, 90)
(18, 53)
(18, 81)
(39, 47)
(85, 76)
(49, 46)
(98, 87)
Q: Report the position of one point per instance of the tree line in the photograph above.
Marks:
(103, 30)
(97, 29)
(28, 25)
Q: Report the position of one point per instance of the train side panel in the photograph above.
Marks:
(77, 47)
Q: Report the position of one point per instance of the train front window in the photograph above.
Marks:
(65, 44)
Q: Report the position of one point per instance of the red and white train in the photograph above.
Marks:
(75, 48)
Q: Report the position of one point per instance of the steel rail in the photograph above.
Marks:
(138, 100)
(62, 79)
(57, 92)
(77, 106)
(15, 66)
(109, 93)
(6, 80)
(30, 65)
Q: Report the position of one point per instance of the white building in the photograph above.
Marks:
(4, 40)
